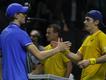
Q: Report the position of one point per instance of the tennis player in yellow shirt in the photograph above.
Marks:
(91, 56)
(58, 64)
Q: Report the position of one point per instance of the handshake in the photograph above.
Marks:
(61, 45)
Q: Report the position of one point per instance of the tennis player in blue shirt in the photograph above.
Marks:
(15, 42)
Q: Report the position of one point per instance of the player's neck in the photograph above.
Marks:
(94, 30)
(16, 22)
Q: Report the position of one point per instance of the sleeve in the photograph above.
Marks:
(65, 59)
(24, 39)
(0, 42)
(82, 48)
(0, 47)
(102, 43)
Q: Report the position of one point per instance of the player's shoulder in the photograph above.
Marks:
(101, 35)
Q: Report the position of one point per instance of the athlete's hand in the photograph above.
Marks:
(83, 63)
(63, 45)
(54, 44)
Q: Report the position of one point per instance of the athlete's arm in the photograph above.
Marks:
(75, 57)
(101, 59)
(68, 69)
(44, 54)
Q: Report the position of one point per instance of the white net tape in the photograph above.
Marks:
(47, 76)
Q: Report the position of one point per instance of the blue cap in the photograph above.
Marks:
(95, 14)
(15, 8)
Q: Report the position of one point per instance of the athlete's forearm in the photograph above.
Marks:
(49, 53)
(74, 57)
(42, 54)
(68, 69)
(101, 59)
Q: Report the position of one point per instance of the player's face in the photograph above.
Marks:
(89, 23)
(21, 17)
(34, 36)
(50, 34)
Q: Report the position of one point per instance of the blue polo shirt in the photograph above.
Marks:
(13, 42)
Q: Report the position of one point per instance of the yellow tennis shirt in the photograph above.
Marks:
(94, 46)
(56, 64)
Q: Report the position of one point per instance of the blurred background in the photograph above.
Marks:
(67, 13)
